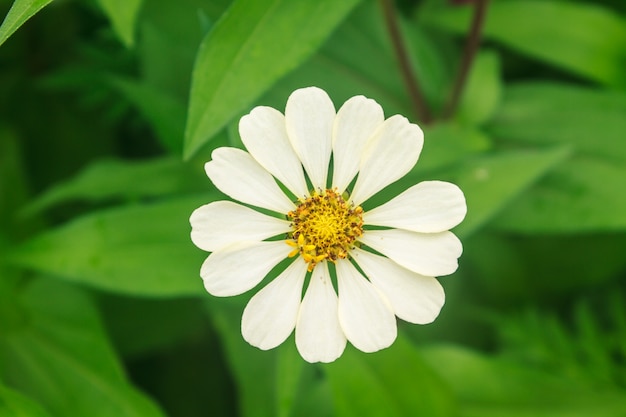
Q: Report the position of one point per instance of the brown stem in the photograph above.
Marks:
(469, 53)
(417, 98)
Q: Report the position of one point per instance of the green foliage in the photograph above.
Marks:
(61, 356)
(20, 12)
(581, 195)
(345, 64)
(542, 113)
(582, 351)
(590, 44)
(165, 113)
(493, 387)
(492, 181)
(253, 53)
(276, 383)
(391, 380)
(140, 249)
(13, 403)
(109, 110)
(100, 182)
(482, 94)
(123, 14)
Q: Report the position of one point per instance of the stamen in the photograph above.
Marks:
(325, 226)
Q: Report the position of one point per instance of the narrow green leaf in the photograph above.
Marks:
(20, 12)
(593, 121)
(61, 357)
(250, 48)
(580, 37)
(492, 181)
(392, 382)
(483, 90)
(122, 14)
(141, 249)
(15, 404)
(581, 195)
(165, 113)
(119, 179)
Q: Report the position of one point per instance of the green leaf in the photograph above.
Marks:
(61, 357)
(392, 382)
(119, 179)
(494, 387)
(141, 249)
(491, 182)
(20, 12)
(250, 48)
(581, 195)
(15, 404)
(165, 113)
(344, 66)
(591, 120)
(583, 38)
(122, 14)
(482, 93)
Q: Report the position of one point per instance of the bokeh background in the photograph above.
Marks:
(109, 109)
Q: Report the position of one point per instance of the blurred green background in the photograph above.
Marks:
(109, 109)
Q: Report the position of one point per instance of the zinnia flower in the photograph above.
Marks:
(383, 261)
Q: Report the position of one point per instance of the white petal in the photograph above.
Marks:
(241, 266)
(428, 207)
(389, 154)
(236, 174)
(364, 314)
(356, 121)
(414, 298)
(264, 133)
(432, 254)
(222, 223)
(309, 115)
(319, 337)
(270, 316)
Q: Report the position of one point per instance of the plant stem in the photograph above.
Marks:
(469, 53)
(410, 81)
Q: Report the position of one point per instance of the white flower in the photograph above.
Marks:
(326, 227)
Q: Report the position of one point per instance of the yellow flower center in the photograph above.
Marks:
(325, 226)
